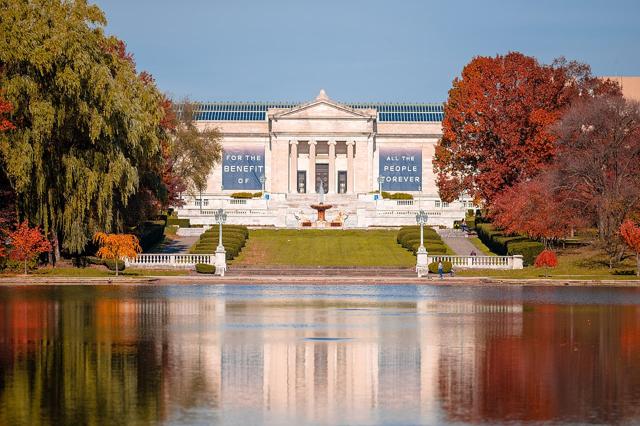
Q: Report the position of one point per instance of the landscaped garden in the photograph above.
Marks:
(325, 248)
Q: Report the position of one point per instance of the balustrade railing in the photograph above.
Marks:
(480, 262)
(161, 260)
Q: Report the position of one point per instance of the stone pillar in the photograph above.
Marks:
(350, 180)
(311, 174)
(293, 167)
(332, 167)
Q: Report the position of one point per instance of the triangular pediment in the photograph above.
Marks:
(322, 107)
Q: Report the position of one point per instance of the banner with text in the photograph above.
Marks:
(242, 168)
(401, 169)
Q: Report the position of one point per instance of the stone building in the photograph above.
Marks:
(290, 152)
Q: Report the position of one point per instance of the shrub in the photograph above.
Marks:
(546, 259)
(111, 264)
(234, 238)
(529, 250)
(624, 272)
(150, 234)
(182, 223)
(446, 267)
(244, 195)
(205, 268)
(397, 195)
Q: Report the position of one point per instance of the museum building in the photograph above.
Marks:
(287, 154)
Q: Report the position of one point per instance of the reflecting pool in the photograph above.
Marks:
(242, 355)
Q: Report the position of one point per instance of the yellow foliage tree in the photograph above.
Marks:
(116, 246)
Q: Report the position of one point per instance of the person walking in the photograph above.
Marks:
(440, 270)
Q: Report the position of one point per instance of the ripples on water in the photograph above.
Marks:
(318, 354)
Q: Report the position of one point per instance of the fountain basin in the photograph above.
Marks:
(321, 209)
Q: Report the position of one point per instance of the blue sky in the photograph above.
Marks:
(403, 51)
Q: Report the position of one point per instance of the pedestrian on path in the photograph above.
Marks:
(440, 270)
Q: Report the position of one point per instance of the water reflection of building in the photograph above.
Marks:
(171, 358)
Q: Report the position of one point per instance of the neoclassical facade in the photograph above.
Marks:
(292, 152)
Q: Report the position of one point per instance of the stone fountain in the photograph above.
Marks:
(321, 208)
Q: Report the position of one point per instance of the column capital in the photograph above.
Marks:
(351, 143)
(292, 142)
(313, 142)
(331, 142)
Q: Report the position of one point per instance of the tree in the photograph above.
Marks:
(597, 164)
(192, 152)
(496, 121)
(88, 128)
(535, 208)
(27, 244)
(630, 233)
(116, 246)
(546, 259)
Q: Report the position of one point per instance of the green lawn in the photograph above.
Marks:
(314, 247)
(576, 263)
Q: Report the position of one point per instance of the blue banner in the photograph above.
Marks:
(401, 169)
(242, 168)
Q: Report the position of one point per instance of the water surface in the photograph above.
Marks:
(240, 355)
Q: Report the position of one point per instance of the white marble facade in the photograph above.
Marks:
(294, 148)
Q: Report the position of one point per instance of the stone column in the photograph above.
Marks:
(293, 167)
(332, 167)
(311, 174)
(350, 145)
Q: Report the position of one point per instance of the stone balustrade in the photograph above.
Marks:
(169, 261)
(480, 262)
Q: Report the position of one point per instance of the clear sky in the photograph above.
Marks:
(357, 50)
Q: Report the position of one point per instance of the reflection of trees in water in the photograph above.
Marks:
(85, 359)
(569, 362)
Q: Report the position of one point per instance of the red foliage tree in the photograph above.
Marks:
(597, 164)
(496, 121)
(630, 233)
(27, 243)
(546, 259)
(536, 209)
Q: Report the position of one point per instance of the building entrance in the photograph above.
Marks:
(322, 175)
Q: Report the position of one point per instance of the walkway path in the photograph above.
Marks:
(175, 244)
(457, 241)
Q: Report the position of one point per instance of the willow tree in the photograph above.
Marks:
(86, 122)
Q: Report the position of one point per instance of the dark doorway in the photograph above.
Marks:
(302, 182)
(322, 175)
(342, 182)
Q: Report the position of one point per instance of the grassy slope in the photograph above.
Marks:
(324, 248)
(577, 263)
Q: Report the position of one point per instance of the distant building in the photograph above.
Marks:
(292, 150)
(630, 85)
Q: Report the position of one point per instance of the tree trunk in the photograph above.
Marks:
(116, 262)
(638, 264)
(25, 266)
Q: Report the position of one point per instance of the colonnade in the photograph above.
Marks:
(311, 169)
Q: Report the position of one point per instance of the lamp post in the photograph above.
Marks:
(262, 181)
(221, 254)
(380, 181)
(422, 257)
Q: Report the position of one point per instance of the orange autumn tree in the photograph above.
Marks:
(630, 233)
(116, 246)
(27, 244)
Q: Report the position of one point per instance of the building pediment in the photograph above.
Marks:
(322, 108)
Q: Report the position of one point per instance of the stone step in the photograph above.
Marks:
(319, 271)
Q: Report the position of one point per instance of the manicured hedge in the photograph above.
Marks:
(150, 233)
(205, 268)
(446, 267)
(505, 245)
(396, 195)
(234, 238)
(409, 238)
(182, 223)
(246, 195)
